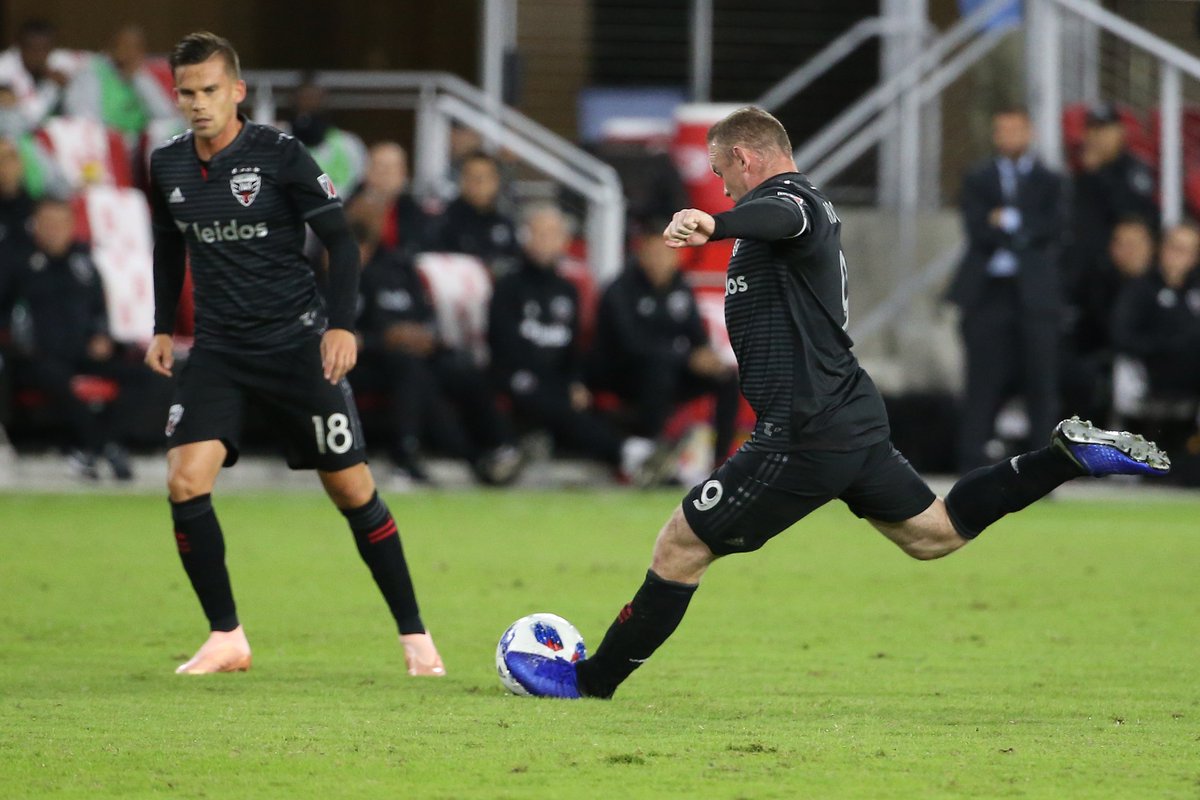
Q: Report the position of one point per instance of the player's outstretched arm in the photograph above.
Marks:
(764, 219)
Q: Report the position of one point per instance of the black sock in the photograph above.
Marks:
(985, 495)
(643, 624)
(202, 551)
(379, 545)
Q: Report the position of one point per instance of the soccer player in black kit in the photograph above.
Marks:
(236, 196)
(822, 431)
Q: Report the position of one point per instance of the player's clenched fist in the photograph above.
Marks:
(690, 227)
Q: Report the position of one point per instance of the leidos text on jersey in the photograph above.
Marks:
(229, 232)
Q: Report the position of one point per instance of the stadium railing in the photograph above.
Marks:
(438, 99)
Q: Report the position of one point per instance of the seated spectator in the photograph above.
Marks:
(340, 153)
(1087, 374)
(117, 88)
(534, 337)
(1157, 320)
(386, 205)
(473, 223)
(465, 143)
(16, 207)
(651, 348)
(425, 381)
(37, 72)
(1113, 184)
(59, 292)
(40, 173)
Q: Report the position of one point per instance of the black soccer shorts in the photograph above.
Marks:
(755, 495)
(316, 422)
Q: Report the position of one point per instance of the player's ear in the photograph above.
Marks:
(741, 157)
(239, 91)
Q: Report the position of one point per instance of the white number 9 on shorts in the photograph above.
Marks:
(710, 495)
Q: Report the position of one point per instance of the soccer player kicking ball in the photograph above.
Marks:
(822, 432)
(235, 196)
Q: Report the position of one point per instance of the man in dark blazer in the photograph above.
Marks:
(1008, 286)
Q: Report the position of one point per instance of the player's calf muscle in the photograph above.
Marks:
(680, 555)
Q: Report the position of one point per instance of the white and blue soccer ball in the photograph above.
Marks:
(533, 640)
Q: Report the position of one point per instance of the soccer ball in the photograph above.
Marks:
(536, 638)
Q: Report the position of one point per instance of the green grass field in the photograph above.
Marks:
(1056, 657)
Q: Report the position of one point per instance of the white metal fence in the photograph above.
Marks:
(438, 99)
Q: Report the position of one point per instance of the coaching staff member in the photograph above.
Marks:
(822, 431)
(235, 196)
(1008, 286)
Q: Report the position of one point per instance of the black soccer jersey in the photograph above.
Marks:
(786, 308)
(242, 216)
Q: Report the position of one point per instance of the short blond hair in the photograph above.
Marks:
(752, 128)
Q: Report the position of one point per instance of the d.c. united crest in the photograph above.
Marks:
(245, 186)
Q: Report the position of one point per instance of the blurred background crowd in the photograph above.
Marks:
(489, 332)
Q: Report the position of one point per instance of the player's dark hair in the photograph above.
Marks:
(752, 128)
(196, 48)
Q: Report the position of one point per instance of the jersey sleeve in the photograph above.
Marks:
(309, 189)
(769, 218)
(169, 258)
(160, 212)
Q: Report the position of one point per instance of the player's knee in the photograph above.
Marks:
(346, 497)
(349, 488)
(185, 482)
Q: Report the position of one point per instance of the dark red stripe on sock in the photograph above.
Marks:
(382, 532)
(181, 541)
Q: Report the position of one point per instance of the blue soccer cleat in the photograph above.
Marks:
(1099, 452)
(543, 677)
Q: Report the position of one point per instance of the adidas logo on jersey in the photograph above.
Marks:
(176, 196)
(229, 232)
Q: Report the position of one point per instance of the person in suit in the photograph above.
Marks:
(1008, 286)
